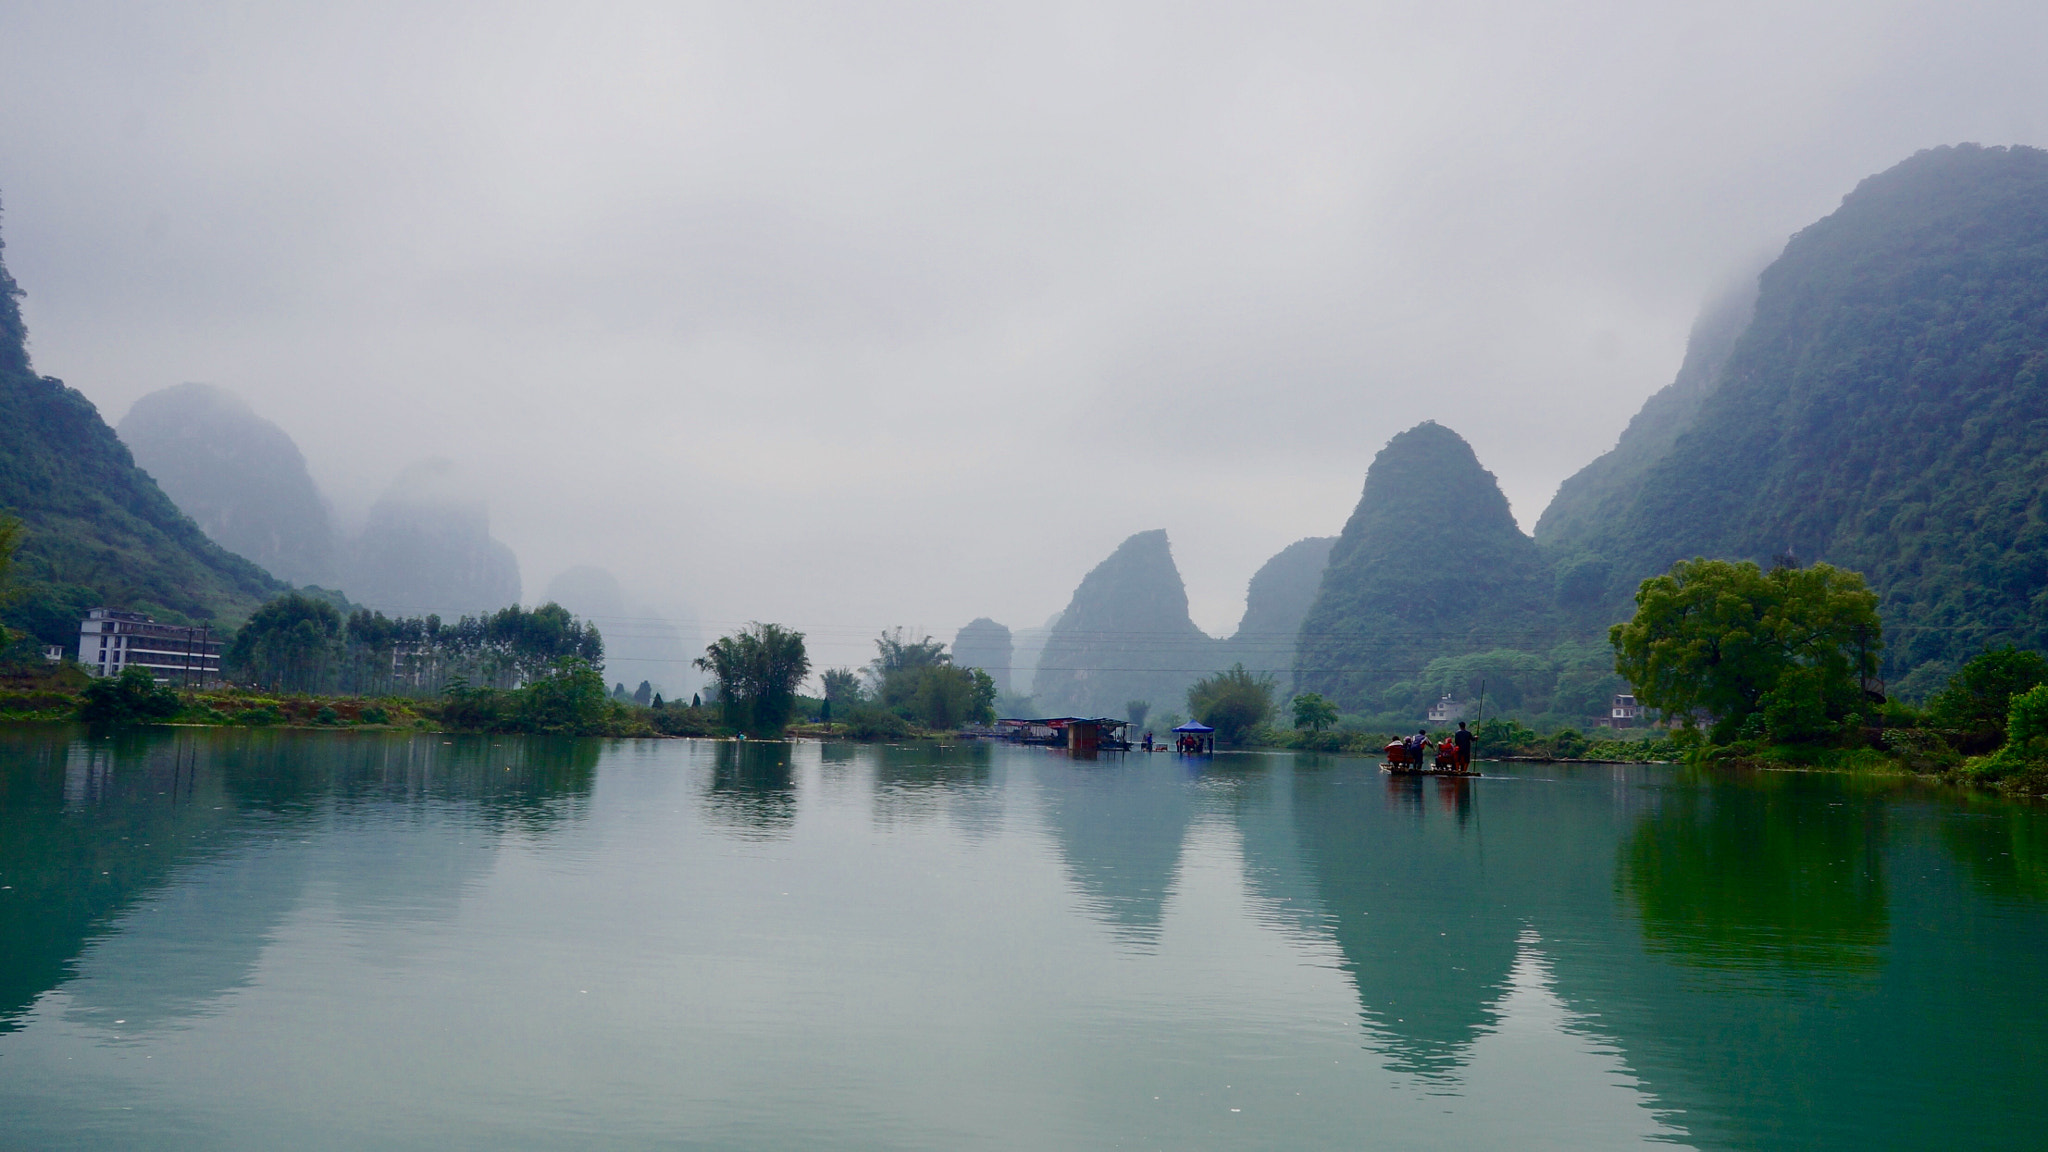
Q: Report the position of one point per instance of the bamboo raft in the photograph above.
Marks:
(1398, 764)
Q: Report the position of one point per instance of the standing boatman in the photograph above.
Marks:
(1463, 738)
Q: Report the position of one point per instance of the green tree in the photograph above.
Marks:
(1314, 711)
(895, 654)
(1135, 711)
(757, 670)
(292, 644)
(940, 695)
(133, 697)
(1777, 654)
(1979, 695)
(569, 700)
(842, 687)
(1233, 702)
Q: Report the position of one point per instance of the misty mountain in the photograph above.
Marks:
(1603, 489)
(639, 642)
(1125, 635)
(99, 529)
(1430, 567)
(986, 645)
(1886, 410)
(239, 476)
(427, 547)
(1027, 646)
(1275, 603)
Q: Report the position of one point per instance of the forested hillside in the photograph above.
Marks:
(1886, 410)
(1430, 583)
(99, 530)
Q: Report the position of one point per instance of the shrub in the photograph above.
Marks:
(133, 697)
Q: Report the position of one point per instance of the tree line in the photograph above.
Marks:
(297, 643)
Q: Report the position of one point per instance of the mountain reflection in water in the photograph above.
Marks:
(237, 938)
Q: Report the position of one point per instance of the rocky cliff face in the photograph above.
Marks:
(237, 475)
(1275, 603)
(427, 547)
(1430, 565)
(1126, 635)
(985, 644)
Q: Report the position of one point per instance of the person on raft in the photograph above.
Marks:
(1446, 756)
(1417, 747)
(1463, 739)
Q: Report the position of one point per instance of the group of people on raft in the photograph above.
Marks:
(1189, 744)
(1453, 754)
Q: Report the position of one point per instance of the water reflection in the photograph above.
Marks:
(207, 827)
(1784, 869)
(1119, 823)
(753, 788)
(2004, 847)
(1425, 928)
(919, 782)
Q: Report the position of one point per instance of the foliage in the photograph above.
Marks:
(1394, 599)
(1883, 409)
(941, 696)
(917, 681)
(1314, 711)
(842, 686)
(10, 539)
(97, 529)
(289, 644)
(757, 671)
(870, 722)
(1232, 701)
(298, 642)
(570, 700)
(1780, 652)
(895, 654)
(133, 697)
(1979, 695)
(1135, 711)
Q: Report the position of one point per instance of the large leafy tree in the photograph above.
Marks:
(1779, 654)
(1232, 701)
(292, 643)
(757, 670)
(1978, 696)
(1314, 711)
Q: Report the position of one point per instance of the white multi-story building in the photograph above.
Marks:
(111, 642)
(1446, 710)
(1624, 712)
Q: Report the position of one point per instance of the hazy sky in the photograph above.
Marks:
(855, 315)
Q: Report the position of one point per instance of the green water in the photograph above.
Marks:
(307, 940)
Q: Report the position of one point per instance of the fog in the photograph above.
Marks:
(849, 316)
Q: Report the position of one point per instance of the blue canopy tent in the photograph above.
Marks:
(1198, 733)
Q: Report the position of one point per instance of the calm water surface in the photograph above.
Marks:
(306, 940)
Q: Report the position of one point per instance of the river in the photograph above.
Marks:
(265, 939)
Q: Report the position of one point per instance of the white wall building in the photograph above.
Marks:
(1446, 710)
(1625, 711)
(110, 642)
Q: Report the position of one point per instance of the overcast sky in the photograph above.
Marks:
(853, 315)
